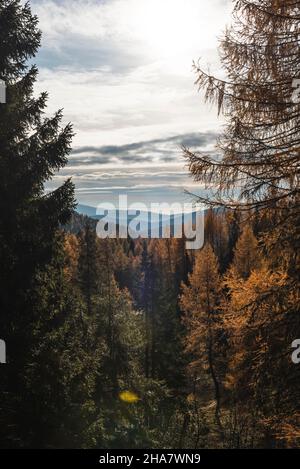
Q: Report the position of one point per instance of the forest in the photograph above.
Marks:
(121, 343)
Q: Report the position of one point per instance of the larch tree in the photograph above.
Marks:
(261, 376)
(200, 304)
(246, 254)
(260, 146)
(259, 168)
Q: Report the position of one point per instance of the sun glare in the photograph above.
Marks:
(167, 27)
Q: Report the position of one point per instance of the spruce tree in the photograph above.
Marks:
(32, 149)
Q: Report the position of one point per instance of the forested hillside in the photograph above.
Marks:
(120, 343)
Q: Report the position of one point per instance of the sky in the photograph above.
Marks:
(122, 72)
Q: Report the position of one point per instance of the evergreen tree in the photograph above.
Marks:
(32, 149)
(167, 329)
(88, 265)
(216, 236)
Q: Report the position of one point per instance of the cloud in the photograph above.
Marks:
(121, 69)
(123, 34)
(111, 77)
(200, 139)
(151, 170)
(148, 184)
(164, 150)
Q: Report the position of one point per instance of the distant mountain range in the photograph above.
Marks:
(154, 221)
(87, 210)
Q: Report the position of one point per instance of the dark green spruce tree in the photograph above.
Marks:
(32, 308)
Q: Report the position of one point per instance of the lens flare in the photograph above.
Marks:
(129, 397)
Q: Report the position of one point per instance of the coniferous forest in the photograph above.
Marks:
(121, 343)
